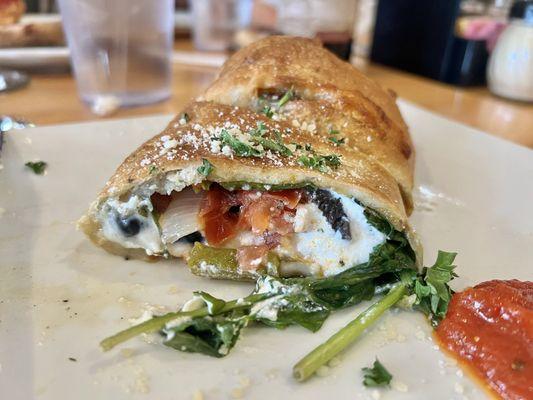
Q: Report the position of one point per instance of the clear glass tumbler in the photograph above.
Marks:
(120, 49)
(215, 23)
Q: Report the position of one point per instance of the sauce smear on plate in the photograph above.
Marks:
(489, 328)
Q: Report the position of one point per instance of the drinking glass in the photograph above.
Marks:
(120, 49)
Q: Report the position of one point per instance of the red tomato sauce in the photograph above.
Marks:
(489, 328)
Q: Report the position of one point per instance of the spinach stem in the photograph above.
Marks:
(307, 366)
(157, 323)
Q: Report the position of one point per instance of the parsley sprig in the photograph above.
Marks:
(321, 163)
(206, 168)
(38, 167)
(274, 144)
(267, 110)
(431, 287)
(259, 142)
(337, 141)
(288, 96)
(376, 376)
(239, 147)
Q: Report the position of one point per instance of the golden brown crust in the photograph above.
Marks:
(331, 94)
(184, 144)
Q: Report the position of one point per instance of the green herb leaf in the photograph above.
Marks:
(431, 287)
(297, 146)
(334, 132)
(269, 144)
(37, 167)
(153, 169)
(276, 145)
(240, 148)
(376, 376)
(292, 303)
(214, 305)
(332, 160)
(337, 141)
(320, 162)
(213, 336)
(259, 131)
(206, 168)
(289, 94)
(344, 291)
(267, 110)
(378, 222)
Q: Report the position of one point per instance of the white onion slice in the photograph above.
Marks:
(181, 217)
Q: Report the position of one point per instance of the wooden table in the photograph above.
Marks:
(52, 99)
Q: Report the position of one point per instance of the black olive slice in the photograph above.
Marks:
(192, 238)
(332, 209)
(130, 226)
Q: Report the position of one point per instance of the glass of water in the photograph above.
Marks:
(120, 49)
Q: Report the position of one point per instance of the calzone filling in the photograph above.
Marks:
(240, 231)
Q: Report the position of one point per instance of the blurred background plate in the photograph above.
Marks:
(38, 18)
(35, 57)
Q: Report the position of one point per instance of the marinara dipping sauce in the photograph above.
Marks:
(489, 328)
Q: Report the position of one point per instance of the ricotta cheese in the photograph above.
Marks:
(139, 207)
(317, 243)
(148, 237)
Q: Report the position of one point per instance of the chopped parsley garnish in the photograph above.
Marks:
(153, 169)
(260, 130)
(334, 132)
(320, 163)
(240, 148)
(332, 160)
(37, 167)
(289, 94)
(337, 141)
(258, 138)
(206, 167)
(377, 375)
(267, 110)
(276, 146)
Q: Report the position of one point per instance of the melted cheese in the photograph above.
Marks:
(148, 237)
(318, 245)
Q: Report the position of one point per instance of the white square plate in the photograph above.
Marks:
(60, 295)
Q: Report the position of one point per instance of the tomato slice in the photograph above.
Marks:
(219, 214)
(251, 257)
(225, 213)
(291, 197)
